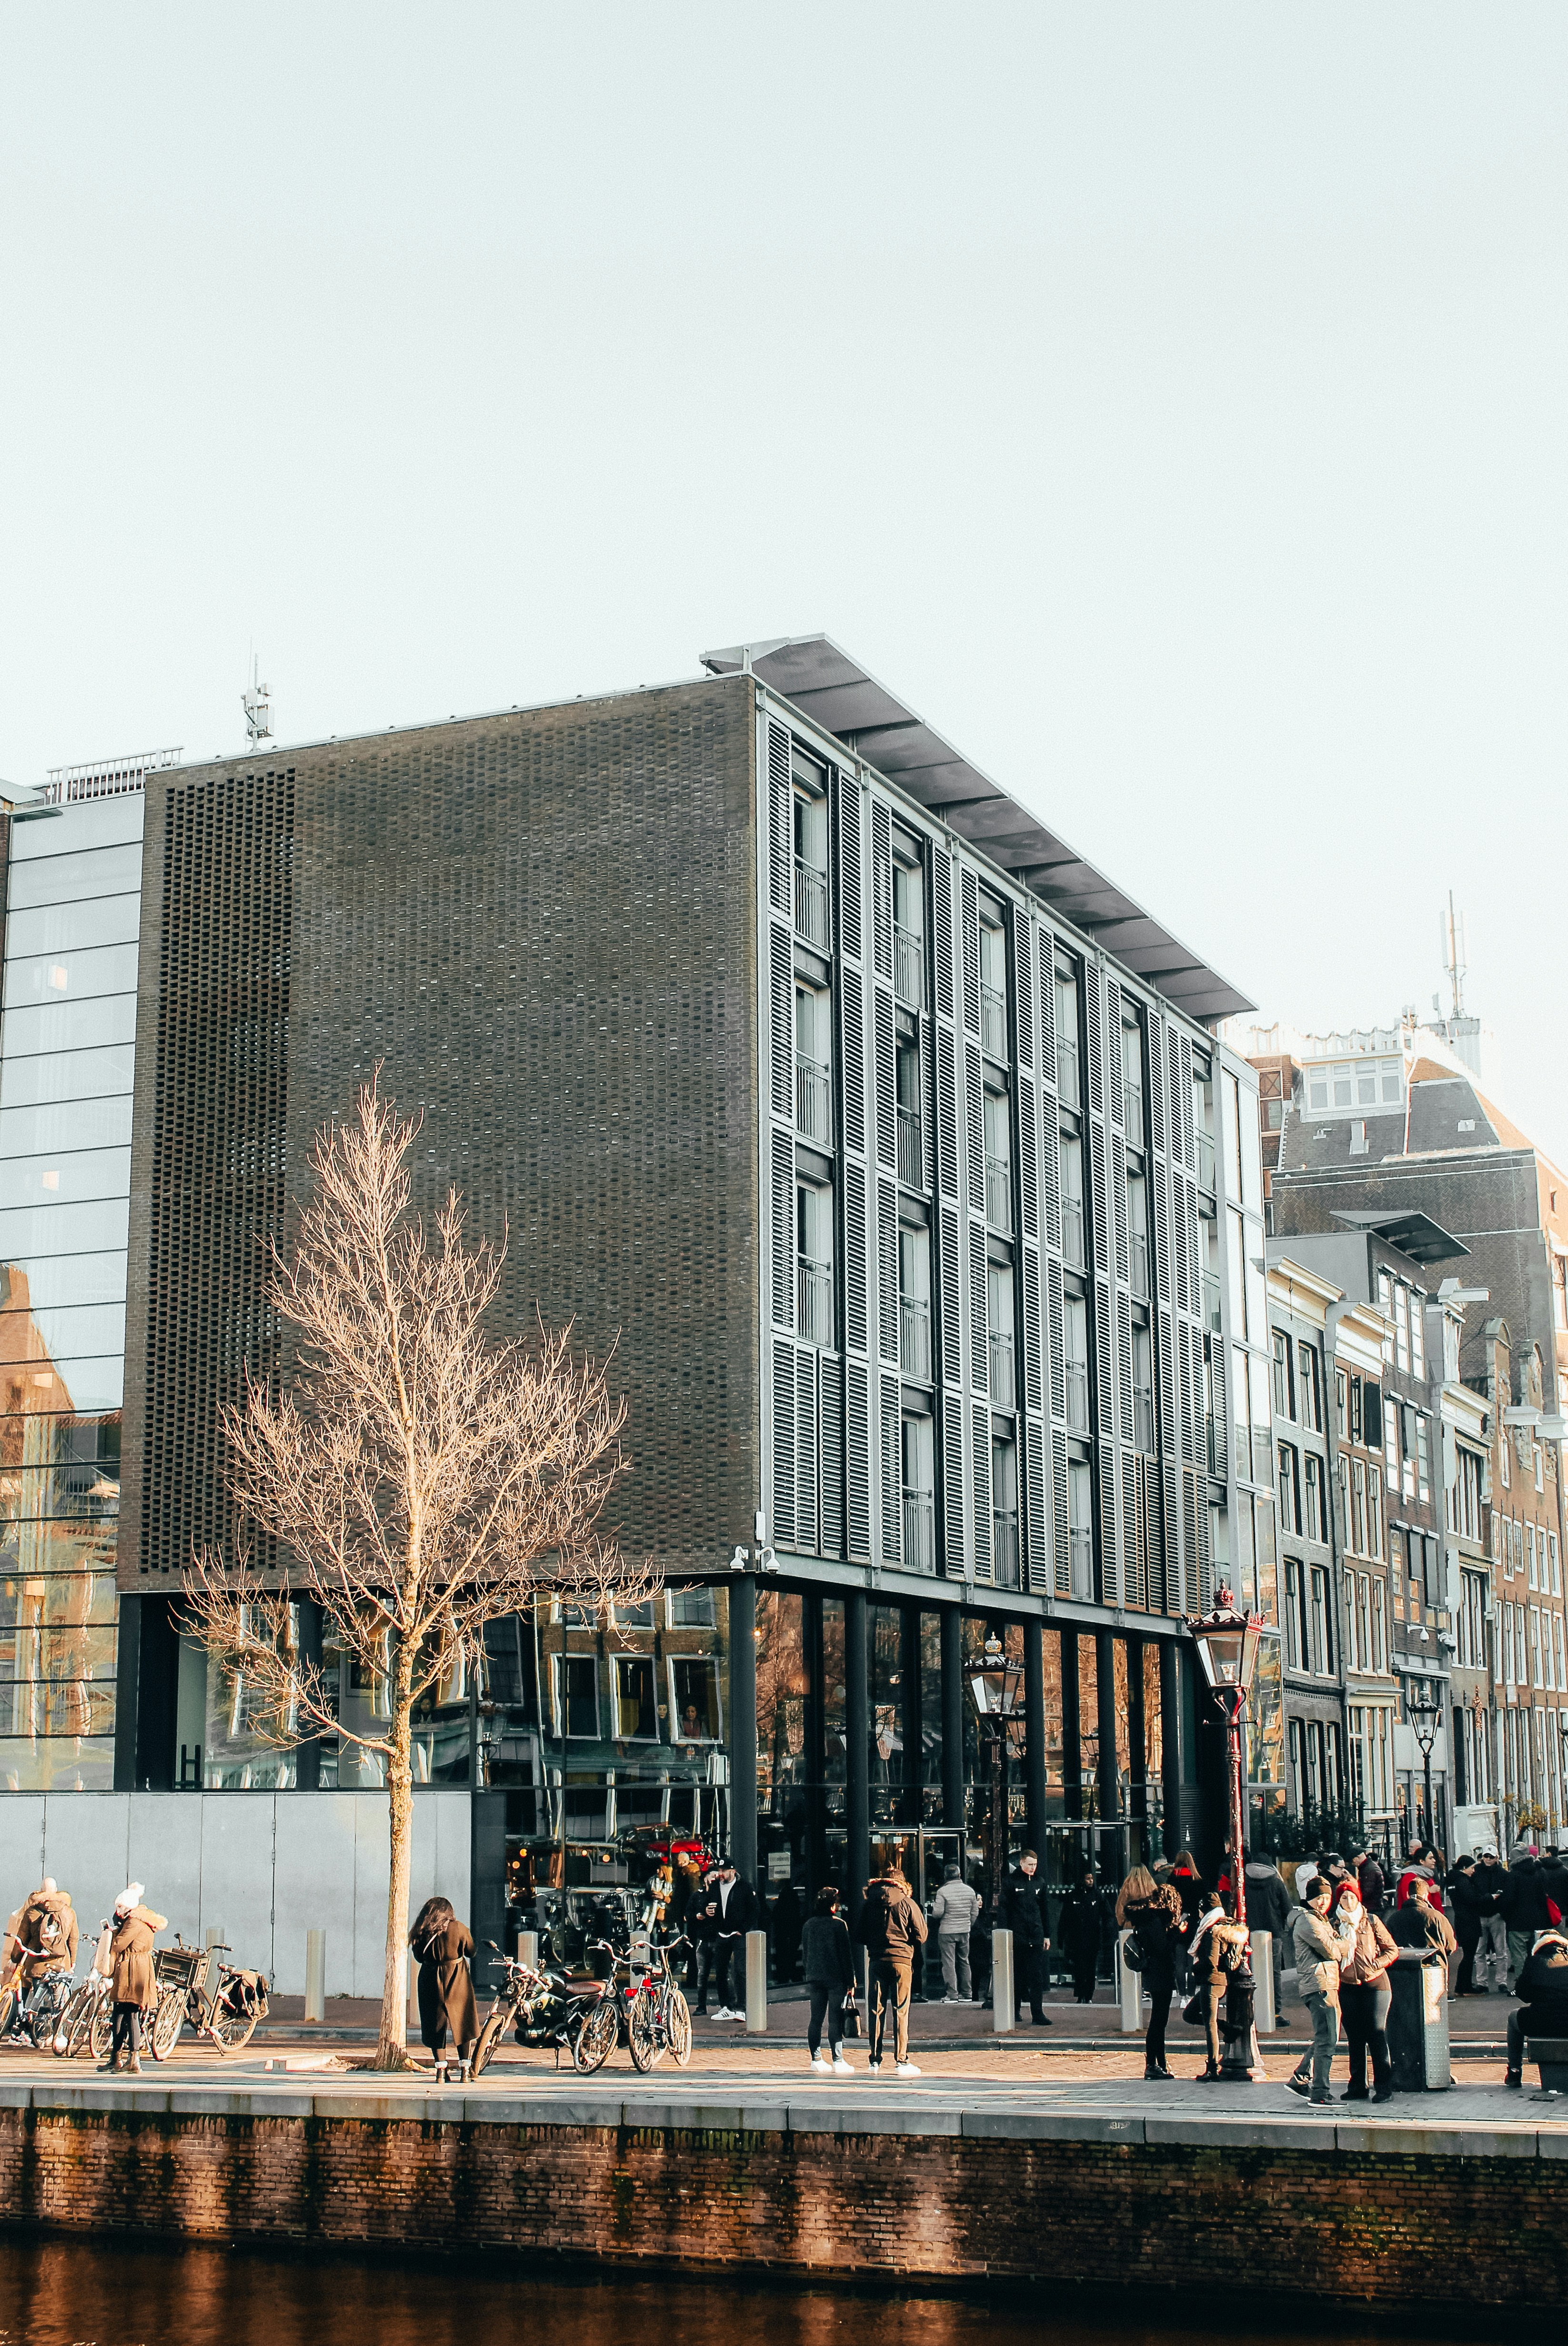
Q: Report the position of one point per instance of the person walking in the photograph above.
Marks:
(1491, 1880)
(1152, 1911)
(135, 1983)
(1319, 1950)
(827, 1963)
(1026, 1914)
(955, 1907)
(1269, 1908)
(892, 1927)
(701, 1916)
(1365, 1995)
(1080, 1927)
(738, 1911)
(1466, 1901)
(1526, 1910)
(1542, 2000)
(442, 1948)
(1218, 1949)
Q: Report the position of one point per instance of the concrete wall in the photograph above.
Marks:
(259, 1868)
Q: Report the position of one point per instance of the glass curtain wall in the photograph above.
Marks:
(67, 1034)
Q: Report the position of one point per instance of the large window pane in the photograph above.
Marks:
(67, 1076)
(64, 1178)
(74, 1330)
(65, 1279)
(87, 1387)
(62, 879)
(81, 973)
(98, 822)
(76, 1124)
(66, 929)
(93, 1229)
(66, 1026)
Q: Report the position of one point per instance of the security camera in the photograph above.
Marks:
(739, 1560)
(767, 1560)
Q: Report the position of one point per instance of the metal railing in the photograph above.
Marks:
(1067, 1073)
(920, 1532)
(992, 1021)
(908, 966)
(1003, 1371)
(1205, 1160)
(811, 903)
(1138, 1261)
(1133, 1098)
(1004, 1549)
(1073, 1230)
(999, 1193)
(814, 1300)
(813, 1100)
(1078, 1396)
(914, 1337)
(912, 1148)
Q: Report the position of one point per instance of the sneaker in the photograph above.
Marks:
(823, 2068)
(905, 2070)
(874, 2068)
(955, 1999)
(1301, 2086)
(842, 2067)
(1384, 2093)
(1512, 2077)
(1321, 2101)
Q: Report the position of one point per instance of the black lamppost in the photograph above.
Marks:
(1227, 1644)
(1425, 1712)
(996, 1690)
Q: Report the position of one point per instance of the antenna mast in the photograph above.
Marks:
(257, 700)
(1453, 953)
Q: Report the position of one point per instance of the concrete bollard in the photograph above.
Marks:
(1263, 2012)
(756, 1983)
(315, 1976)
(1129, 1988)
(1004, 2004)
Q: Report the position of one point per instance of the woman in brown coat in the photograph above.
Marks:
(135, 1987)
(441, 1947)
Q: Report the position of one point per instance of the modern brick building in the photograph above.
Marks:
(888, 1144)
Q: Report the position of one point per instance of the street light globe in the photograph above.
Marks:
(1228, 1642)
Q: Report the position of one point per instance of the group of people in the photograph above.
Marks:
(714, 1911)
(43, 1938)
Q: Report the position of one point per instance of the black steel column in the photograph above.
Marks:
(308, 1763)
(1105, 1694)
(1071, 1731)
(1170, 1744)
(952, 1801)
(743, 1725)
(1137, 1743)
(128, 1684)
(911, 1805)
(1034, 1732)
(857, 1736)
(816, 1759)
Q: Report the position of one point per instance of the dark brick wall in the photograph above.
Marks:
(545, 924)
(1403, 2232)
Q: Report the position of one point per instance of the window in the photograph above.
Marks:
(1355, 1408)
(1236, 1229)
(637, 1714)
(1374, 1512)
(1560, 1293)
(1391, 1082)
(1503, 1447)
(1392, 1442)
(1138, 1234)
(909, 936)
(1308, 1390)
(1366, 1087)
(915, 1303)
(1386, 1306)
(1133, 1080)
(690, 1609)
(814, 1262)
(1556, 1564)
(998, 1162)
(1203, 1123)
(919, 1494)
(992, 984)
(1319, 1646)
(813, 1063)
(1417, 1335)
(912, 1129)
(1465, 1500)
(1317, 1089)
(1422, 1461)
(578, 1696)
(1075, 1329)
(694, 1711)
(1343, 1082)
(811, 851)
(999, 1318)
(1290, 1491)
(1359, 1508)
(1339, 1395)
(1312, 1523)
(1081, 1529)
(1067, 1037)
(1004, 1510)
(1143, 1390)
(1540, 1479)
(1530, 1555)
(1402, 1327)
(1072, 1198)
(1379, 1628)
(1294, 1639)
(1397, 1579)
(1284, 1384)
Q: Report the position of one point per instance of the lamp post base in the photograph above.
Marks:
(1240, 2062)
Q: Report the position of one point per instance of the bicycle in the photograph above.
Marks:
(544, 2007)
(220, 2001)
(32, 2014)
(74, 2033)
(658, 2018)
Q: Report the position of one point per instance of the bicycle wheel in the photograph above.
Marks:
(678, 2020)
(167, 2026)
(595, 2038)
(644, 2037)
(79, 2020)
(102, 2027)
(231, 2030)
(490, 2036)
(44, 2019)
(7, 2008)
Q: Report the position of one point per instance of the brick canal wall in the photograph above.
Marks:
(1404, 2231)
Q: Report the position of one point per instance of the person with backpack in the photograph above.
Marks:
(1152, 1911)
(892, 1927)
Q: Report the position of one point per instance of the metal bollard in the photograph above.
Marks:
(1129, 1988)
(1263, 2012)
(528, 1948)
(315, 1976)
(1003, 2002)
(756, 1983)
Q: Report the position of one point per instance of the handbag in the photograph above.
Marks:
(1133, 1955)
(852, 2014)
(1193, 2011)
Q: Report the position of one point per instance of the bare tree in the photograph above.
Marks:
(419, 1479)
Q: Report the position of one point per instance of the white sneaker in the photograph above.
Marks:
(823, 2068)
(905, 2070)
(738, 2016)
(842, 2066)
(953, 1999)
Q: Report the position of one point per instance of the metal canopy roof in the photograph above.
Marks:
(826, 685)
(1415, 1234)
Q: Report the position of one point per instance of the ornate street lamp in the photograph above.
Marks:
(1425, 1712)
(996, 1690)
(1227, 1644)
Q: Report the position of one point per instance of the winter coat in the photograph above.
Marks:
(1469, 1905)
(1491, 1881)
(1544, 1986)
(1373, 1950)
(1421, 1924)
(1554, 1878)
(1268, 1906)
(742, 1910)
(1408, 1880)
(446, 2005)
(1320, 1951)
(1079, 1926)
(955, 1906)
(1371, 1883)
(1209, 1946)
(1523, 1903)
(891, 1924)
(1026, 1916)
(829, 1959)
(130, 1951)
(49, 1931)
(1155, 1924)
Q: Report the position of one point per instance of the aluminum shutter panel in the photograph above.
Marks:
(847, 838)
(780, 824)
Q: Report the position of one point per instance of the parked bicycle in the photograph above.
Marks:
(74, 2033)
(545, 2007)
(32, 2016)
(220, 2001)
(657, 2016)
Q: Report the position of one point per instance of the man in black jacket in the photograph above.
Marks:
(1269, 1908)
(738, 1911)
(1544, 2000)
(1524, 1911)
(1465, 1898)
(1026, 1914)
(1490, 1880)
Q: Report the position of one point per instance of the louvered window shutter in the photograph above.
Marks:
(979, 1338)
(1058, 1353)
(946, 1114)
(1099, 1201)
(1064, 1553)
(1028, 1175)
(830, 1435)
(1039, 1526)
(783, 1443)
(887, 1261)
(893, 1475)
(941, 921)
(953, 1484)
(1156, 1079)
(855, 1332)
(1031, 1396)
(882, 887)
(1173, 1064)
(1105, 1390)
(853, 1053)
(846, 827)
(783, 1039)
(976, 1128)
(1114, 1027)
(1050, 1177)
(1023, 983)
(1095, 1020)
(1119, 1193)
(969, 891)
(980, 1459)
(1187, 1157)
(783, 1230)
(858, 1460)
(1132, 1525)
(1125, 1363)
(887, 1084)
(1109, 1541)
(1162, 1233)
(781, 825)
(1047, 1000)
(806, 1534)
(951, 1338)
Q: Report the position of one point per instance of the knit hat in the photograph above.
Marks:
(129, 1896)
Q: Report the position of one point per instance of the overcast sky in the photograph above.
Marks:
(1168, 401)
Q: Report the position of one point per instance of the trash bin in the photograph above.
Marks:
(1418, 2023)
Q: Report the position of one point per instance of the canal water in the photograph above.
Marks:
(72, 2293)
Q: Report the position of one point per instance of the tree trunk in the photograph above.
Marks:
(392, 2052)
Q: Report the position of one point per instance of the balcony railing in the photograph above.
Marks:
(813, 1100)
(1004, 1549)
(912, 1148)
(814, 1300)
(1211, 1301)
(1067, 1073)
(920, 1532)
(999, 1193)
(1078, 1396)
(1081, 1560)
(1205, 1160)
(908, 966)
(1138, 1261)
(915, 1338)
(994, 1021)
(1133, 1094)
(1073, 1230)
(811, 903)
(1004, 1373)
(1143, 1419)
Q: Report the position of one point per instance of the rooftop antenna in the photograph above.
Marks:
(257, 704)
(1453, 953)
